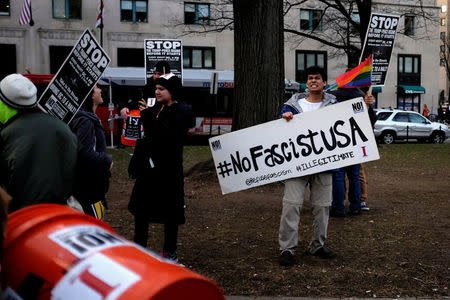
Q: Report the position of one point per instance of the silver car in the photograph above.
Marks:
(396, 124)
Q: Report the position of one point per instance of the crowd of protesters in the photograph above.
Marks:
(44, 160)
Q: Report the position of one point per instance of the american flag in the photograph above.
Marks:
(100, 15)
(25, 15)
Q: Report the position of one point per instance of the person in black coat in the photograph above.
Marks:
(158, 193)
(93, 168)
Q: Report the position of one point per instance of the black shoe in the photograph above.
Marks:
(286, 258)
(324, 253)
(354, 212)
(336, 214)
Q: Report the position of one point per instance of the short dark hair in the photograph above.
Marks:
(316, 70)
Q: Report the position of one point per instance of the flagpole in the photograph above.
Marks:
(31, 16)
(101, 23)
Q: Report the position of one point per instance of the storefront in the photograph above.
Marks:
(408, 97)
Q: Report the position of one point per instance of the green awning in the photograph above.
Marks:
(411, 89)
(377, 89)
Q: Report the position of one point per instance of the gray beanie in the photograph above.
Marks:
(18, 91)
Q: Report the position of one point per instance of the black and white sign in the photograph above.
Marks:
(332, 137)
(84, 240)
(379, 41)
(75, 79)
(163, 49)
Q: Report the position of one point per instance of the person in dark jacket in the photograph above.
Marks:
(357, 192)
(93, 164)
(37, 151)
(158, 193)
(161, 67)
(141, 99)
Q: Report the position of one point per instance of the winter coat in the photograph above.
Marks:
(93, 164)
(293, 106)
(158, 192)
(37, 159)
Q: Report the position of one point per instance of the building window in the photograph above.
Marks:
(130, 57)
(442, 21)
(196, 13)
(4, 8)
(67, 9)
(310, 19)
(409, 25)
(199, 57)
(442, 62)
(444, 8)
(133, 11)
(8, 55)
(306, 59)
(409, 69)
(356, 18)
(58, 55)
(442, 36)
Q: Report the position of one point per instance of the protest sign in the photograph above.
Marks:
(380, 37)
(331, 137)
(77, 76)
(163, 49)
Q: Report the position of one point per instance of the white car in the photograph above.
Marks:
(394, 124)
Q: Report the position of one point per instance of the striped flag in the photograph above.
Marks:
(25, 15)
(360, 76)
(100, 15)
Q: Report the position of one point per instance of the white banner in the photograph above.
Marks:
(312, 142)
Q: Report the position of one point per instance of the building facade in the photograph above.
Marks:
(444, 83)
(412, 82)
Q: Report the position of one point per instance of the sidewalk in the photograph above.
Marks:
(309, 298)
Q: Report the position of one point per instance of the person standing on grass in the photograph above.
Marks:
(295, 188)
(94, 165)
(38, 152)
(158, 193)
(369, 99)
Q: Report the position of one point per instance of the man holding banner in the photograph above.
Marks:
(295, 188)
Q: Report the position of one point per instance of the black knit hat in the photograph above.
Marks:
(171, 82)
(162, 66)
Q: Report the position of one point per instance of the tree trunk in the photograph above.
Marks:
(258, 61)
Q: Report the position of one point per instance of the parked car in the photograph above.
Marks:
(394, 124)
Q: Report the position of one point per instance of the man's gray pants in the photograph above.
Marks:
(294, 195)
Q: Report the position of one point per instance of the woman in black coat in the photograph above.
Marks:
(158, 194)
(93, 163)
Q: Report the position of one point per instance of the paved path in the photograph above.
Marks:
(309, 298)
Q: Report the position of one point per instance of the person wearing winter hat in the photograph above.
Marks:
(158, 193)
(161, 67)
(138, 102)
(37, 151)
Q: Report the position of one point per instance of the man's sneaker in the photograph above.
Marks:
(286, 258)
(364, 206)
(170, 256)
(324, 253)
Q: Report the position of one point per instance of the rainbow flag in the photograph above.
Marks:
(360, 76)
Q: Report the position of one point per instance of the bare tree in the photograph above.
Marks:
(259, 44)
(445, 53)
(343, 23)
